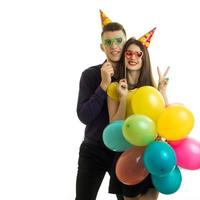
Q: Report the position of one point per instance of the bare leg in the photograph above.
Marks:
(151, 194)
(131, 198)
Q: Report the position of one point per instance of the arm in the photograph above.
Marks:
(91, 98)
(92, 92)
(162, 84)
(164, 94)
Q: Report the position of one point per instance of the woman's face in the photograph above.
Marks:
(133, 57)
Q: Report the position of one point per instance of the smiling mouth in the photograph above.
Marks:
(132, 63)
(115, 53)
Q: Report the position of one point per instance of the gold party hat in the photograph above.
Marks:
(146, 39)
(104, 19)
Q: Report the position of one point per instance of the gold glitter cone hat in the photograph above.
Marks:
(146, 39)
(104, 19)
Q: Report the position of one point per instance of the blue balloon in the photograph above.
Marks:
(113, 137)
(159, 158)
(168, 184)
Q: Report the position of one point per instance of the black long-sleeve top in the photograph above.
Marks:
(92, 103)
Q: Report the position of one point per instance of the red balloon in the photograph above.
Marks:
(130, 168)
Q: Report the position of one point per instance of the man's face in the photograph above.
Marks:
(112, 44)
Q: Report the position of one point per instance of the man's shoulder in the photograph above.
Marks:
(92, 75)
(93, 68)
(92, 71)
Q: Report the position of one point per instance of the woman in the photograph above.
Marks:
(133, 71)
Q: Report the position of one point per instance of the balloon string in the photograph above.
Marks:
(125, 73)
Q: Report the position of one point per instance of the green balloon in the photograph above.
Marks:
(139, 130)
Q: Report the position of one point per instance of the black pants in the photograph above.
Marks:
(94, 161)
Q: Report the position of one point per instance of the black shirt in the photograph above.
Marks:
(92, 104)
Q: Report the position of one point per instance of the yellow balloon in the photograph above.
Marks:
(148, 101)
(112, 91)
(129, 110)
(175, 122)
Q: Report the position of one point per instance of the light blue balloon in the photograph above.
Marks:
(159, 158)
(113, 137)
(168, 184)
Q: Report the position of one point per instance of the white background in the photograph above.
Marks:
(44, 47)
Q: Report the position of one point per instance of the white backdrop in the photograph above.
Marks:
(44, 47)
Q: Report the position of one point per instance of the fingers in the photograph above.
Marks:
(166, 81)
(107, 68)
(163, 77)
(123, 83)
(107, 64)
(166, 71)
(123, 80)
(158, 70)
(123, 88)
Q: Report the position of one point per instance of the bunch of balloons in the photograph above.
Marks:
(153, 140)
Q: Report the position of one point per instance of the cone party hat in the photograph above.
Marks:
(104, 19)
(146, 39)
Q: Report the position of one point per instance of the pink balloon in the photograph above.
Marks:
(187, 153)
(130, 168)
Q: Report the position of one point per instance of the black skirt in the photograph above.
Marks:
(117, 187)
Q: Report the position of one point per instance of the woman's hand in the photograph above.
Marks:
(123, 88)
(163, 80)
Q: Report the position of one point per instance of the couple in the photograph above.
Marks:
(127, 63)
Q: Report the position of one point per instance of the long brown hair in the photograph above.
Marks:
(146, 77)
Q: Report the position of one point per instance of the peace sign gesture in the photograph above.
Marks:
(163, 80)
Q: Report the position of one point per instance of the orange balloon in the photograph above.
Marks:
(130, 168)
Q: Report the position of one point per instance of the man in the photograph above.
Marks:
(94, 158)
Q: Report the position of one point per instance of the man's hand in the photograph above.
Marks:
(107, 72)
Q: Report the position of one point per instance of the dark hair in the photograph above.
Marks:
(146, 77)
(113, 26)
